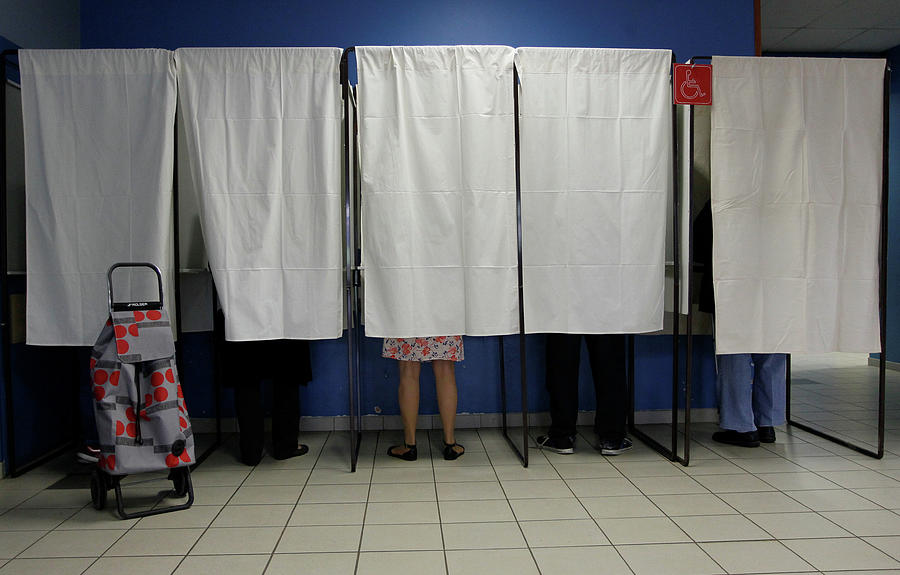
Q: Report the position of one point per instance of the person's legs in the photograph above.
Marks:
(286, 420)
(445, 382)
(250, 420)
(408, 397)
(769, 388)
(563, 355)
(608, 365)
(735, 385)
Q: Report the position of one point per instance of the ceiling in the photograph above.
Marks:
(830, 25)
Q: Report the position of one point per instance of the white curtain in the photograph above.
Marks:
(596, 135)
(264, 136)
(99, 141)
(438, 190)
(796, 201)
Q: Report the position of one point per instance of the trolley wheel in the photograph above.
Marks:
(98, 489)
(180, 481)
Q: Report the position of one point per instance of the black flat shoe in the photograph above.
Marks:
(411, 453)
(766, 434)
(451, 454)
(741, 439)
(301, 450)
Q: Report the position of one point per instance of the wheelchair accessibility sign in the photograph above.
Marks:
(693, 84)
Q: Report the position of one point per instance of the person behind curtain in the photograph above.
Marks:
(442, 352)
(751, 387)
(607, 354)
(245, 365)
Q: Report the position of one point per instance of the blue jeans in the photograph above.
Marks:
(751, 390)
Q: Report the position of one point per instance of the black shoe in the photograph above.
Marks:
(451, 454)
(300, 450)
(563, 445)
(741, 439)
(766, 434)
(615, 447)
(411, 453)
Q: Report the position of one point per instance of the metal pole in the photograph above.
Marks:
(676, 289)
(522, 351)
(4, 285)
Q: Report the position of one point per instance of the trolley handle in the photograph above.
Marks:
(134, 305)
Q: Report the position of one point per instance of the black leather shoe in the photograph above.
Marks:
(410, 453)
(742, 439)
(766, 434)
(301, 450)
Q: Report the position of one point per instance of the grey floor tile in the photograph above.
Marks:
(493, 561)
(155, 542)
(547, 509)
(313, 564)
(621, 506)
(159, 565)
(394, 562)
(674, 559)
(328, 514)
(755, 557)
(703, 528)
(503, 535)
(237, 540)
(479, 511)
(320, 539)
(580, 561)
(798, 525)
(423, 537)
(223, 565)
(68, 566)
(73, 544)
(562, 533)
(841, 554)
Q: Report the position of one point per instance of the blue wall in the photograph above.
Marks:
(893, 295)
(689, 27)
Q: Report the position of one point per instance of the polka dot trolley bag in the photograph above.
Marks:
(142, 421)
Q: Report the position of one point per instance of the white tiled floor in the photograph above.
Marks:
(801, 505)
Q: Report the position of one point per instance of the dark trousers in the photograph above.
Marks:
(285, 419)
(607, 355)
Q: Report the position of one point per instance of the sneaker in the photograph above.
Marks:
(766, 434)
(615, 447)
(563, 445)
(739, 438)
(88, 454)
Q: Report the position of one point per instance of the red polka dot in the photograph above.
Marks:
(120, 331)
(170, 375)
(181, 409)
(114, 378)
(171, 460)
(93, 363)
(185, 457)
(156, 379)
(121, 346)
(120, 428)
(99, 393)
(144, 415)
(133, 329)
(100, 376)
(138, 316)
(130, 430)
(129, 413)
(148, 399)
(154, 315)
(111, 462)
(160, 394)
(182, 422)
(180, 395)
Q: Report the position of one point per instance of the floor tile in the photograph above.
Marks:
(648, 468)
(334, 494)
(197, 516)
(642, 530)
(403, 475)
(890, 545)
(505, 535)
(562, 533)
(546, 509)
(59, 498)
(264, 477)
(68, 566)
(513, 472)
(402, 513)
(253, 516)
(470, 473)
(159, 565)
(494, 561)
(423, 537)
(14, 542)
(318, 539)
(313, 564)
(755, 557)
(237, 540)
(798, 525)
(387, 492)
(668, 485)
(222, 565)
(692, 504)
(215, 495)
(711, 467)
(539, 489)
(586, 470)
(621, 506)
(888, 498)
(580, 560)
(155, 542)
(266, 495)
(768, 465)
(481, 511)
(46, 519)
(325, 476)
(866, 523)
(796, 481)
(394, 562)
(674, 559)
(733, 483)
(833, 463)
(328, 514)
(841, 554)
(703, 528)
(219, 477)
(860, 479)
(465, 491)
(602, 487)
(832, 500)
(73, 544)
(762, 502)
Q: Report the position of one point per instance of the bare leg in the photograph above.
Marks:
(445, 381)
(408, 397)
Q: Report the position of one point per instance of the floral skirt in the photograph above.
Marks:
(424, 348)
